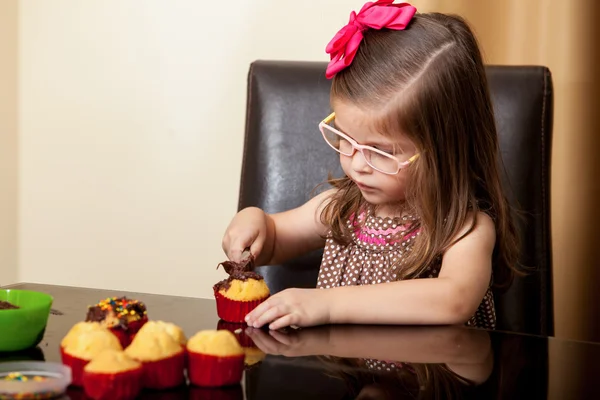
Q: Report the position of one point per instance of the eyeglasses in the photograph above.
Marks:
(377, 159)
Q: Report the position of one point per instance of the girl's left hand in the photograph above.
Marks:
(297, 307)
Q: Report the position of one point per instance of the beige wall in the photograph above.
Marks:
(132, 123)
(8, 140)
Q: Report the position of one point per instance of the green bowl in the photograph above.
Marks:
(24, 327)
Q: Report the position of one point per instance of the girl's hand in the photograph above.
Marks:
(248, 229)
(297, 307)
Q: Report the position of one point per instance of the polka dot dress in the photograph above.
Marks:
(375, 255)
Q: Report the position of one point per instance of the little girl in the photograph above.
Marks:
(422, 197)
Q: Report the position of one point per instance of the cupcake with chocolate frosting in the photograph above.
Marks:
(124, 317)
(241, 293)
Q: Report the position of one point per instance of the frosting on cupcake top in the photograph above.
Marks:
(172, 330)
(116, 311)
(110, 362)
(243, 282)
(220, 343)
(88, 344)
(153, 346)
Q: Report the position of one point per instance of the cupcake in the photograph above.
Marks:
(83, 342)
(240, 293)
(215, 358)
(170, 329)
(123, 316)
(112, 375)
(162, 358)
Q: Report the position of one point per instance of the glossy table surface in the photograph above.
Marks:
(362, 362)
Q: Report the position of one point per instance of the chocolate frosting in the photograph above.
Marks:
(241, 271)
(5, 305)
(98, 313)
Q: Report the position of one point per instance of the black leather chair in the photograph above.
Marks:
(285, 159)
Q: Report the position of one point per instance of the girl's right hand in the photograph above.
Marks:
(248, 229)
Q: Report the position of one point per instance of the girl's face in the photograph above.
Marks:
(382, 190)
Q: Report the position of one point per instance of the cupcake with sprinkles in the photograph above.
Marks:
(124, 317)
(241, 293)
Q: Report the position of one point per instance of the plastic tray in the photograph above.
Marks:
(56, 378)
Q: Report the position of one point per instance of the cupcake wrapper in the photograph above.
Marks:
(126, 336)
(134, 326)
(76, 364)
(228, 393)
(121, 386)
(164, 374)
(234, 310)
(213, 371)
(122, 335)
(239, 330)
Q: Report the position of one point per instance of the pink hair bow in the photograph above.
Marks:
(377, 15)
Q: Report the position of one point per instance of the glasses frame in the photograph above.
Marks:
(359, 147)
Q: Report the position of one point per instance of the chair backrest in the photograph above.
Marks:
(285, 159)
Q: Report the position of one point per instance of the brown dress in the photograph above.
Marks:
(376, 251)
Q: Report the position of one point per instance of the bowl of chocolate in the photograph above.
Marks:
(23, 318)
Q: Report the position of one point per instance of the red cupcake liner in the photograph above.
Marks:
(228, 393)
(164, 374)
(239, 330)
(122, 335)
(125, 385)
(76, 364)
(214, 371)
(234, 310)
(126, 335)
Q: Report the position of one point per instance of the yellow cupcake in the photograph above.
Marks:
(215, 359)
(215, 343)
(87, 345)
(248, 290)
(162, 358)
(242, 292)
(112, 375)
(153, 346)
(160, 326)
(111, 361)
(78, 329)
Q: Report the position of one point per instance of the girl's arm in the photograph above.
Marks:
(295, 232)
(452, 298)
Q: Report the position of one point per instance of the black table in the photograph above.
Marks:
(363, 362)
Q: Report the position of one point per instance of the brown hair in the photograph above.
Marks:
(429, 83)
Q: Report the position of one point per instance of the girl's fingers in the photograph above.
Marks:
(269, 315)
(261, 309)
(238, 247)
(282, 322)
(256, 246)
